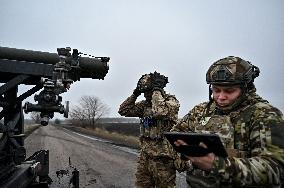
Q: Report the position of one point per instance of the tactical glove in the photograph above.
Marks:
(136, 92)
(159, 81)
(144, 83)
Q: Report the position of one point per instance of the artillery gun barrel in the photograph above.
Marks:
(28, 55)
(95, 68)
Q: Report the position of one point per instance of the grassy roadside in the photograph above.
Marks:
(30, 128)
(118, 138)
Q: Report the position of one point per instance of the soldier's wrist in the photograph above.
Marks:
(189, 165)
(136, 92)
(218, 164)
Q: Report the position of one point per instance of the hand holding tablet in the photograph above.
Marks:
(193, 140)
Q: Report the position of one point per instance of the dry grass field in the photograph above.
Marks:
(29, 128)
(120, 133)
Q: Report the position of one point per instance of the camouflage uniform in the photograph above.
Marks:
(155, 164)
(252, 133)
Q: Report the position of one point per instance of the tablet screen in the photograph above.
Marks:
(212, 141)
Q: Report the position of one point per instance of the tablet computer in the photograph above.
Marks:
(212, 141)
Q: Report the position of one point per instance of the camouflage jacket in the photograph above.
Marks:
(256, 150)
(164, 109)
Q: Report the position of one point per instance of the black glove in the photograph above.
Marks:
(144, 84)
(136, 92)
(159, 81)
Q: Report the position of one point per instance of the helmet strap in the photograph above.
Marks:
(210, 93)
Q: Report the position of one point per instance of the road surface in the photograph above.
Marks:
(100, 162)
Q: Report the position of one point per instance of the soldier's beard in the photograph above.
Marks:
(233, 105)
(246, 92)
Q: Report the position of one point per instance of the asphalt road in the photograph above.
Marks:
(100, 162)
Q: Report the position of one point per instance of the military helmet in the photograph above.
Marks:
(231, 71)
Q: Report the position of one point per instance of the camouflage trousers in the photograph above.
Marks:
(158, 172)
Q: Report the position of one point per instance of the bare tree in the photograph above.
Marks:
(89, 111)
(35, 116)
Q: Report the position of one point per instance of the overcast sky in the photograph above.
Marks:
(178, 38)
